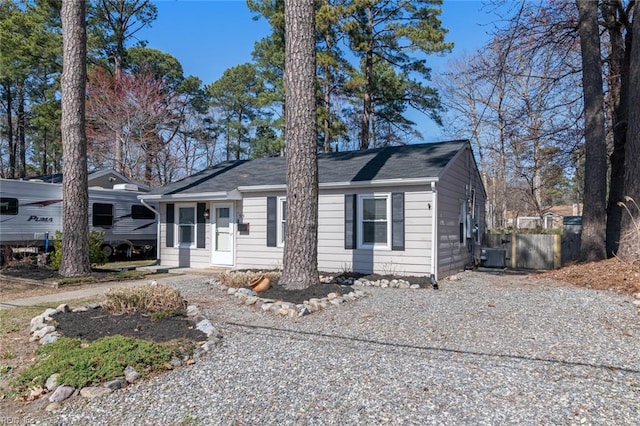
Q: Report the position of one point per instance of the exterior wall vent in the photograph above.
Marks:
(125, 187)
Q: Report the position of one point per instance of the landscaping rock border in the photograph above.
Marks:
(249, 297)
(44, 331)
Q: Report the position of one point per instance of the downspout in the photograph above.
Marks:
(157, 229)
(434, 237)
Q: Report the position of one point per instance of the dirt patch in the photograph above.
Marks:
(29, 271)
(21, 279)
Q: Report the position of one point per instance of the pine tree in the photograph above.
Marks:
(300, 263)
(75, 189)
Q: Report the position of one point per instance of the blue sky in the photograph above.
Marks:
(209, 36)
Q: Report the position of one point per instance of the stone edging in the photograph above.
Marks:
(292, 310)
(43, 331)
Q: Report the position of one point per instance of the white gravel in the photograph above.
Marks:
(488, 349)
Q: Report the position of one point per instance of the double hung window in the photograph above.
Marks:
(374, 220)
(186, 226)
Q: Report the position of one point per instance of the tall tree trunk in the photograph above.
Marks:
(326, 97)
(502, 172)
(618, 84)
(10, 136)
(300, 263)
(595, 176)
(43, 164)
(75, 226)
(118, 162)
(630, 241)
(367, 103)
(228, 138)
(150, 158)
(22, 138)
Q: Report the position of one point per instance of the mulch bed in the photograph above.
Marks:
(97, 323)
(277, 292)
(321, 290)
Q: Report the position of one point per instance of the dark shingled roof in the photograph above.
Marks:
(395, 162)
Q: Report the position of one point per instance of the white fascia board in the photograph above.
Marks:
(203, 196)
(338, 185)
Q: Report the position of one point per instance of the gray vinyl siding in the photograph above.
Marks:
(171, 257)
(252, 250)
(414, 260)
(452, 191)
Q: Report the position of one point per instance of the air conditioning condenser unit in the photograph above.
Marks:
(493, 258)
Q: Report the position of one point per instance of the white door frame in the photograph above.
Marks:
(226, 257)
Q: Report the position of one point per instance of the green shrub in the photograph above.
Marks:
(96, 255)
(81, 364)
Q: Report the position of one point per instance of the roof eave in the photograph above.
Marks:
(351, 184)
(203, 196)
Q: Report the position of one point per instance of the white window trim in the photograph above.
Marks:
(280, 219)
(193, 244)
(377, 246)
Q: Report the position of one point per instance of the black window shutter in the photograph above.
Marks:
(397, 221)
(350, 221)
(201, 229)
(170, 222)
(272, 221)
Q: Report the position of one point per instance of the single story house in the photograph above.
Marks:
(416, 210)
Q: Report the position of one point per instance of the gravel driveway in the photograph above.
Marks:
(487, 349)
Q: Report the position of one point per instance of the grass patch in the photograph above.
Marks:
(75, 280)
(81, 364)
(7, 355)
(128, 275)
(15, 320)
(128, 263)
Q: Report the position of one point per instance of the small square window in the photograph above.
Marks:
(139, 211)
(102, 215)
(8, 206)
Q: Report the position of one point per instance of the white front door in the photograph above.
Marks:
(222, 227)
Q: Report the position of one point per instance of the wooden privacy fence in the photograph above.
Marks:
(537, 251)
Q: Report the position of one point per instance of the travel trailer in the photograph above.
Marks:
(31, 213)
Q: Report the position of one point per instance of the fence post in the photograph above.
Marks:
(514, 251)
(557, 251)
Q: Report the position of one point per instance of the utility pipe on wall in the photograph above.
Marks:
(434, 236)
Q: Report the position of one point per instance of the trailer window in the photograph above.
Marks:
(102, 214)
(138, 211)
(8, 206)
